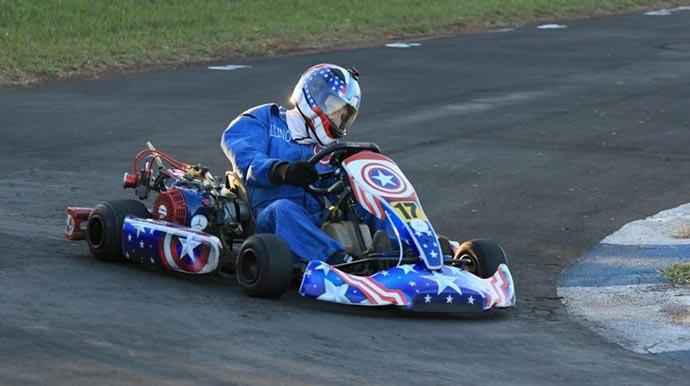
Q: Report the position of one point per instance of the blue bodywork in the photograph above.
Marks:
(170, 246)
(412, 287)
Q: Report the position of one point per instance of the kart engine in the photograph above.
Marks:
(170, 206)
(190, 196)
(208, 211)
(218, 211)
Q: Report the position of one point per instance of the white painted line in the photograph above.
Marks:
(667, 11)
(402, 45)
(502, 30)
(552, 26)
(229, 67)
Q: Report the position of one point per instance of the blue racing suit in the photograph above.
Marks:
(254, 142)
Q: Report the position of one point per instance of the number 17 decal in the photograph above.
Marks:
(409, 210)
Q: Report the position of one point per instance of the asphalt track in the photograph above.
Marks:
(544, 139)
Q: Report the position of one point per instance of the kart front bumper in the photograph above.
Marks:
(412, 287)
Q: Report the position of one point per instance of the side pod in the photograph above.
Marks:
(170, 246)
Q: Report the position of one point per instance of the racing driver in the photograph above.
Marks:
(269, 146)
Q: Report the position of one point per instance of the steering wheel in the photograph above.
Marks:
(338, 152)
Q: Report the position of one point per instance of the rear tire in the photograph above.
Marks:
(104, 227)
(484, 255)
(264, 266)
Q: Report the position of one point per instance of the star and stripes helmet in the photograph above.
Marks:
(328, 97)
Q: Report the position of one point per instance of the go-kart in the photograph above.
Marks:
(201, 224)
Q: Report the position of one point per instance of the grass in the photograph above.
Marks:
(44, 39)
(678, 273)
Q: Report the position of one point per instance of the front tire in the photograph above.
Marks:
(104, 227)
(264, 266)
(484, 257)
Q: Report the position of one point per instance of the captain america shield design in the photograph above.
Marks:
(188, 254)
(384, 179)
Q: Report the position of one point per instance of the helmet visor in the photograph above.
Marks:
(332, 104)
(341, 114)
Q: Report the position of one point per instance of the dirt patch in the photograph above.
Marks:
(678, 313)
(682, 233)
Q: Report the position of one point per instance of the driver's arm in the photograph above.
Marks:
(245, 143)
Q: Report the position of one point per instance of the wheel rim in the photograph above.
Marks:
(473, 265)
(249, 267)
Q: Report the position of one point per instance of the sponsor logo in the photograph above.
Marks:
(69, 227)
(277, 132)
(162, 211)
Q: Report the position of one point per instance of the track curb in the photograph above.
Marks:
(619, 291)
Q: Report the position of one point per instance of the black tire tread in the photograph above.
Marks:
(488, 253)
(275, 267)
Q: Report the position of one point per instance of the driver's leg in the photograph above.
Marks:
(299, 229)
(383, 236)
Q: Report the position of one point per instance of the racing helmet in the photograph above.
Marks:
(328, 98)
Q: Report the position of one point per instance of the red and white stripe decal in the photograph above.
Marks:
(498, 288)
(374, 291)
(368, 201)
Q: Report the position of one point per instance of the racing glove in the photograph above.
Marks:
(300, 173)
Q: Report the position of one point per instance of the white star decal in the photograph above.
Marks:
(407, 268)
(443, 281)
(449, 299)
(324, 267)
(427, 299)
(383, 179)
(470, 300)
(385, 273)
(334, 293)
(188, 246)
(412, 283)
(433, 254)
(140, 228)
(129, 237)
(141, 244)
